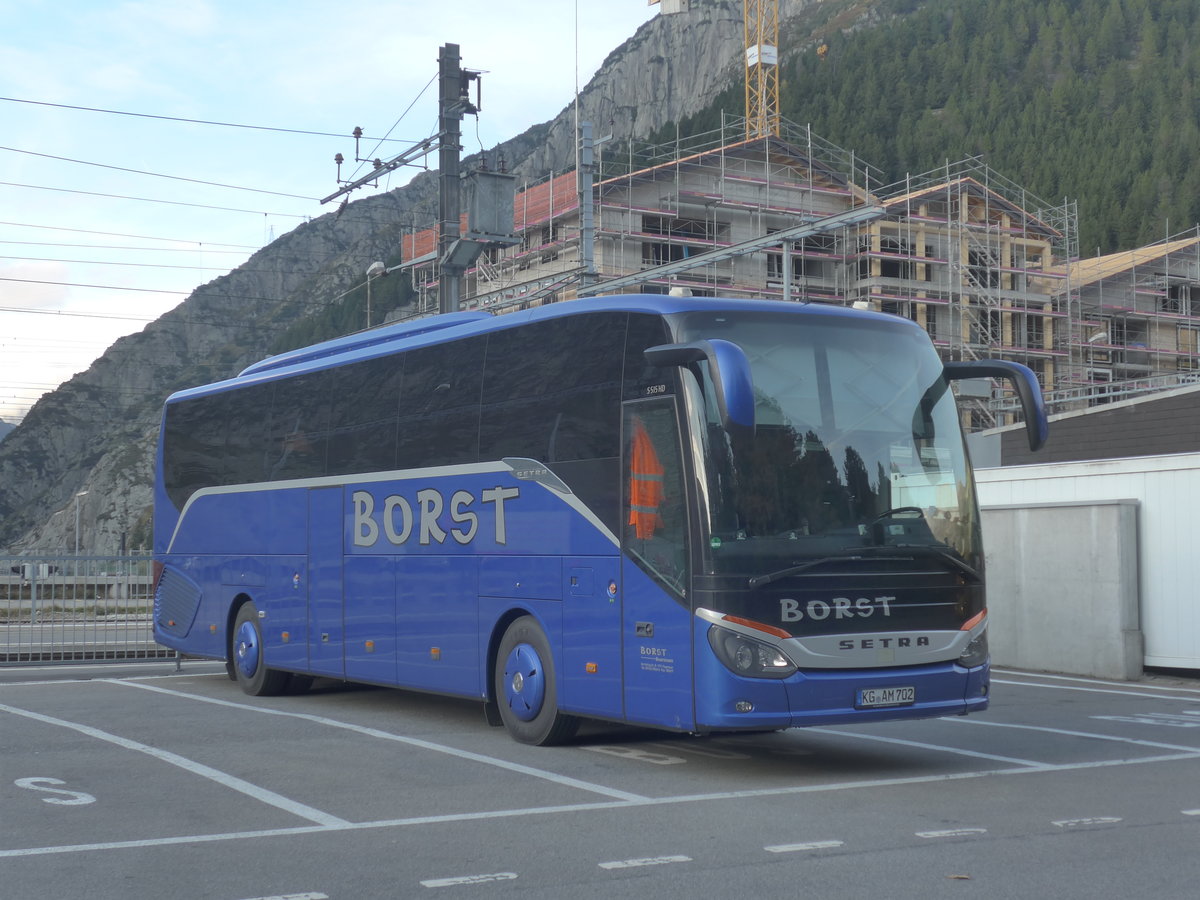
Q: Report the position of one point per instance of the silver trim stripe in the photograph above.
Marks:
(398, 475)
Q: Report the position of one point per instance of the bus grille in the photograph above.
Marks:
(175, 603)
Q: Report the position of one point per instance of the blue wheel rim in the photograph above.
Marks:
(524, 682)
(246, 649)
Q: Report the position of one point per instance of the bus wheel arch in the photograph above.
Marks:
(525, 685)
(246, 653)
(491, 706)
(231, 617)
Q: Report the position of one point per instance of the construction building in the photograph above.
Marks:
(986, 268)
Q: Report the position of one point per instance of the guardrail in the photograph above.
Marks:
(77, 608)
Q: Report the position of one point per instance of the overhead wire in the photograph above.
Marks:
(203, 246)
(118, 247)
(103, 262)
(109, 287)
(257, 212)
(407, 109)
(84, 162)
(141, 237)
(117, 112)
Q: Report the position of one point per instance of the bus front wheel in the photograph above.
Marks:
(526, 687)
(246, 655)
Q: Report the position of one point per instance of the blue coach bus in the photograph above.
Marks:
(689, 513)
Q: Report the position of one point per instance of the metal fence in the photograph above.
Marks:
(76, 608)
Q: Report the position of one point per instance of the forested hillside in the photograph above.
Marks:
(1094, 100)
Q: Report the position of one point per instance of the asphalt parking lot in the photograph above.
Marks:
(140, 781)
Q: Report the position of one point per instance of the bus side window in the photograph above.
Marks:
(362, 430)
(655, 514)
(194, 444)
(551, 392)
(297, 429)
(439, 406)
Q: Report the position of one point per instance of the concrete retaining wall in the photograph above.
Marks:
(1167, 490)
(1063, 587)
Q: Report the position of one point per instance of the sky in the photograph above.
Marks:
(118, 198)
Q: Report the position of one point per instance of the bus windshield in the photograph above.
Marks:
(857, 452)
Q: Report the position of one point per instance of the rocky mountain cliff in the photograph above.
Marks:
(96, 433)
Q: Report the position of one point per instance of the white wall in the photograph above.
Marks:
(1062, 587)
(1166, 490)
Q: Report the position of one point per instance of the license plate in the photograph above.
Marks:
(869, 698)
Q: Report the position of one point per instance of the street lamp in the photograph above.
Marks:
(376, 270)
(77, 496)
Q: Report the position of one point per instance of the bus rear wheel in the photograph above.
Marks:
(527, 689)
(246, 655)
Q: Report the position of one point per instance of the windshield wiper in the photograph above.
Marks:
(951, 559)
(760, 580)
(867, 553)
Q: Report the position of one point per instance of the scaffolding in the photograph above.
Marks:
(979, 262)
(1140, 319)
(986, 267)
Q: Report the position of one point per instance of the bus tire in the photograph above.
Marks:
(527, 689)
(246, 654)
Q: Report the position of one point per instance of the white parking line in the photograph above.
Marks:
(939, 747)
(1112, 738)
(188, 765)
(810, 845)
(1186, 695)
(563, 780)
(585, 807)
(951, 833)
(620, 799)
(1084, 823)
(107, 673)
(468, 879)
(641, 863)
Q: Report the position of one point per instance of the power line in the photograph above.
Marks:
(102, 262)
(209, 294)
(257, 212)
(140, 237)
(117, 112)
(187, 320)
(107, 287)
(66, 312)
(83, 162)
(118, 247)
(397, 122)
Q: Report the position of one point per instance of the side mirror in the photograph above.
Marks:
(1037, 428)
(730, 371)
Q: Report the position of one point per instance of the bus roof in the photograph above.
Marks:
(439, 328)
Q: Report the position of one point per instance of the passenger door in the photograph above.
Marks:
(657, 626)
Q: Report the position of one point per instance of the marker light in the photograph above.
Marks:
(745, 656)
(976, 653)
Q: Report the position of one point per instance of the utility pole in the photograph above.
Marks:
(586, 182)
(586, 175)
(492, 197)
(453, 104)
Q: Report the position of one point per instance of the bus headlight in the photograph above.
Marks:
(745, 656)
(976, 653)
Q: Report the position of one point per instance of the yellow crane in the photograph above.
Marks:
(762, 68)
(761, 28)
